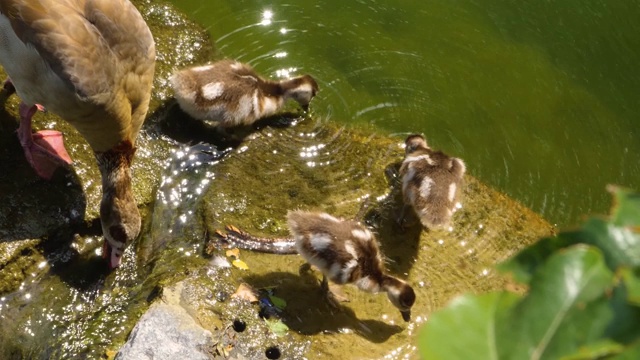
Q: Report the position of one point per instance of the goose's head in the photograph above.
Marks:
(119, 213)
(301, 89)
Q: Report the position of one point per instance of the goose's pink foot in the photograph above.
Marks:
(44, 149)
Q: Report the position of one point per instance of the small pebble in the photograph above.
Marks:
(239, 325)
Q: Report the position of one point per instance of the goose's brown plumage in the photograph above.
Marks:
(91, 62)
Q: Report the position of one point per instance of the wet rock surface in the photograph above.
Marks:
(57, 300)
(167, 331)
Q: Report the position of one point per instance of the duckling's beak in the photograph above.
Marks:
(305, 108)
(113, 255)
(406, 315)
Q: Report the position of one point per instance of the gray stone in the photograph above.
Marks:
(166, 332)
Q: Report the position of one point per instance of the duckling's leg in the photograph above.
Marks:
(402, 218)
(44, 149)
(334, 296)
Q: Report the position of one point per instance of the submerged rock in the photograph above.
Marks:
(345, 172)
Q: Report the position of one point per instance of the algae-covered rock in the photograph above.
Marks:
(53, 299)
(350, 174)
(32, 208)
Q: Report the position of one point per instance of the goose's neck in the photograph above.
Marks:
(115, 167)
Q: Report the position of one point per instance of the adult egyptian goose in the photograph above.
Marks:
(229, 93)
(91, 62)
(431, 182)
(345, 251)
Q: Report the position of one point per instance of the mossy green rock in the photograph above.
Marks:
(57, 300)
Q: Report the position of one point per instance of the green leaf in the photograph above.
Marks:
(597, 350)
(631, 353)
(626, 209)
(619, 240)
(469, 320)
(566, 306)
(280, 303)
(631, 280)
(524, 264)
(277, 327)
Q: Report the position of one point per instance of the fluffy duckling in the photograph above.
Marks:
(345, 251)
(91, 63)
(431, 182)
(229, 93)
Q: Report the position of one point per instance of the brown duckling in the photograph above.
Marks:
(91, 63)
(431, 182)
(345, 251)
(228, 93)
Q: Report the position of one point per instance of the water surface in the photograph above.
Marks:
(540, 98)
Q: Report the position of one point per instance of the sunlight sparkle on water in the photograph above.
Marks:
(280, 54)
(283, 31)
(285, 73)
(267, 16)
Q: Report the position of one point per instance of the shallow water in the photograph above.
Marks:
(540, 98)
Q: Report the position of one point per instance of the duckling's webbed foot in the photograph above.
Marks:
(44, 149)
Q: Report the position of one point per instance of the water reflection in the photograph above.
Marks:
(517, 99)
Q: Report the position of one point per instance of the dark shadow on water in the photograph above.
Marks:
(307, 311)
(178, 125)
(399, 245)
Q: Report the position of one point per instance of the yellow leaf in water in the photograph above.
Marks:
(111, 354)
(240, 264)
(233, 253)
(246, 292)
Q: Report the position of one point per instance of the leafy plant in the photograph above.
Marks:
(583, 300)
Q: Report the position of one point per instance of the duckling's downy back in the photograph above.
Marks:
(342, 249)
(229, 93)
(431, 182)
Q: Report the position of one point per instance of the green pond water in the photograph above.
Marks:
(540, 98)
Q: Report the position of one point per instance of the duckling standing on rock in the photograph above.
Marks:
(229, 93)
(92, 63)
(431, 182)
(345, 251)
